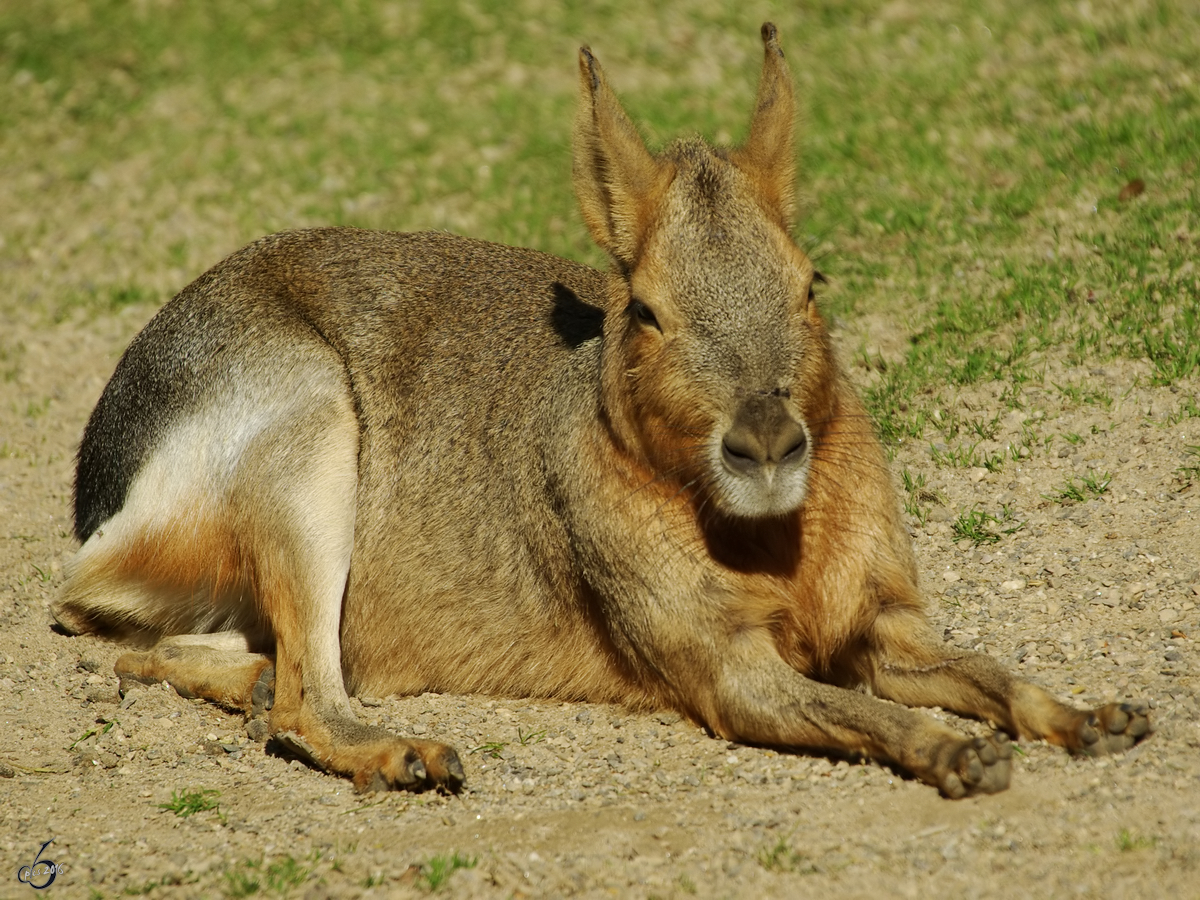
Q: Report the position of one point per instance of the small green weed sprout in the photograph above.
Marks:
(437, 871)
(912, 483)
(525, 738)
(986, 430)
(1127, 841)
(1188, 409)
(139, 890)
(967, 457)
(244, 880)
(188, 803)
(780, 857)
(99, 730)
(1091, 485)
(284, 874)
(973, 526)
(489, 750)
(917, 495)
(1190, 471)
(1089, 396)
(250, 876)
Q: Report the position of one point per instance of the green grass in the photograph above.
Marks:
(1128, 841)
(780, 857)
(1087, 488)
(1080, 395)
(974, 526)
(101, 728)
(189, 803)
(969, 456)
(489, 749)
(1189, 473)
(917, 496)
(139, 890)
(436, 871)
(251, 876)
(533, 736)
(977, 526)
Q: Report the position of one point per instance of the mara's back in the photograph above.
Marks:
(425, 326)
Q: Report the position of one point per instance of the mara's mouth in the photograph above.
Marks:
(756, 483)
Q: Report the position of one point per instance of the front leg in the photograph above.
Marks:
(756, 697)
(908, 665)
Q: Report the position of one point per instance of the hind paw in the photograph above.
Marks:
(976, 766)
(1113, 728)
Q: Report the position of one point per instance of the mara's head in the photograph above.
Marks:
(716, 367)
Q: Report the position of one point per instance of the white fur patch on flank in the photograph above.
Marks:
(246, 481)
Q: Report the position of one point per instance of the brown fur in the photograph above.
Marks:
(397, 463)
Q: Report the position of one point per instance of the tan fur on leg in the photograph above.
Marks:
(910, 667)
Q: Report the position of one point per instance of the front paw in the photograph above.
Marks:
(385, 764)
(976, 766)
(1113, 728)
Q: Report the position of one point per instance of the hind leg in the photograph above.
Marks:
(301, 535)
(911, 667)
(217, 667)
(243, 521)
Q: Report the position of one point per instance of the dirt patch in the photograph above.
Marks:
(1095, 599)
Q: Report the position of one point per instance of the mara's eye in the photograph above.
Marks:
(642, 313)
(817, 278)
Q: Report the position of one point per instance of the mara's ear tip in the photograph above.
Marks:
(589, 67)
(770, 34)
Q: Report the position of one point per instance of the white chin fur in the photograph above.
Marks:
(767, 493)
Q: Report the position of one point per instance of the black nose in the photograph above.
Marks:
(763, 432)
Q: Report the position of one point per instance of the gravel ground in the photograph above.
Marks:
(1094, 600)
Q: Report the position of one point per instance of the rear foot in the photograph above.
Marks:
(1112, 729)
(262, 698)
(226, 677)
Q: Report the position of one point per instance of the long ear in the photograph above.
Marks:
(768, 154)
(617, 181)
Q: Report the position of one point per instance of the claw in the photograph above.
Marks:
(1003, 745)
(262, 696)
(974, 773)
(416, 768)
(457, 776)
(987, 754)
(1088, 734)
(953, 788)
